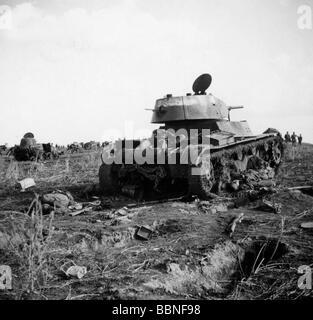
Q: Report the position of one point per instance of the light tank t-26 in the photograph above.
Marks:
(198, 150)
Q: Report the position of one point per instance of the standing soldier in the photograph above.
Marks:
(300, 139)
(287, 137)
(293, 138)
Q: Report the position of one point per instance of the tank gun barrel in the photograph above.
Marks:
(233, 108)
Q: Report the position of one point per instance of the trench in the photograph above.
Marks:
(220, 270)
(260, 253)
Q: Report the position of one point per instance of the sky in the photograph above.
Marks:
(86, 70)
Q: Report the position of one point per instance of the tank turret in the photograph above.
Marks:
(199, 111)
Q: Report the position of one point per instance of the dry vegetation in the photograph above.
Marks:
(188, 256)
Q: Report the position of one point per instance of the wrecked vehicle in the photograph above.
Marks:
(201, 150)
(49, 152)
(27, 150)
(74, 147)
(3, 149)
(30, 150)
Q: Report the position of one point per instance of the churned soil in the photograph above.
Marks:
(186, 253)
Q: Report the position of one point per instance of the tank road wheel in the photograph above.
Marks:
(276, 156)
(253, 151)
(107, 179)
(222, 174)
(202, 182)
(265, 153)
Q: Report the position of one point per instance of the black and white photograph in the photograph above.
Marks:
(156, 150)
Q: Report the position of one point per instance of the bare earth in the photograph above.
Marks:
(189, 255)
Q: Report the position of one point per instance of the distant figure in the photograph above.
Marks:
(287, 137)
(293, 138)
(300, 139)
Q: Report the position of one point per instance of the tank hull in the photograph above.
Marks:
(224, 165)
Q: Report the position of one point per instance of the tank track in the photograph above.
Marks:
(261, 157)
(223, 166)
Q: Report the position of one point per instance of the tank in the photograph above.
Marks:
(28, 149)
(197, 150)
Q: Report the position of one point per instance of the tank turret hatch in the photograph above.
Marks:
(202, 83)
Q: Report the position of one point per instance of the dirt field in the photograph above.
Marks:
(189, 255)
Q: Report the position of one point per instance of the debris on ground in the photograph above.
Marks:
(76, 213)
(246, 197)
(307, 225)
(268, 206)
(144, 232)
(300, 188)
(260, 178)
(63, 202)
(120, 220)
(122, 212)
(307, 190)
(106, 203)
(230, 229)
(5, 277)
(84, 207)
(153, 202)
(26, 184)
(254, 182)
(76, 206)
(76, 271)
(124, 215)
(212, 207)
